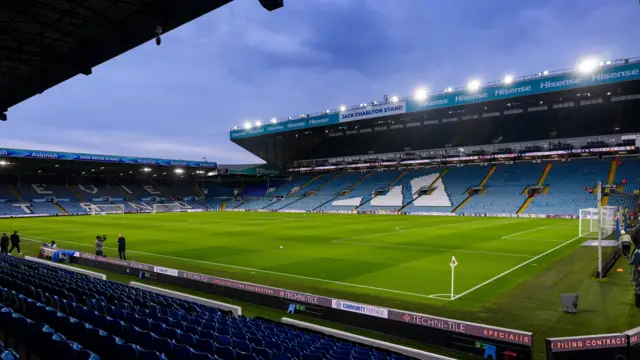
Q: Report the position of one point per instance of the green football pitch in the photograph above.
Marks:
(399, 261)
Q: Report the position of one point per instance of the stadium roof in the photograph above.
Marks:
(46, 42)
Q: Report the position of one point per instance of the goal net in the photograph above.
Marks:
(169, 207)
(590, 220)
(106, 209)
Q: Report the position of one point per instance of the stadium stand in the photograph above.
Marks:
(567, 181)
(292, 185)
(627, 181)
(456, 181)
(503, 192)
(363, 191)
(88, 318)
(324, 189)
(564, 190)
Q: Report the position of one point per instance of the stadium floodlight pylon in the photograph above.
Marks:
(106, 209)
(168, 207)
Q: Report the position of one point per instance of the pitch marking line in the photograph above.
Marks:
(430, 248)
(40, 239)
(514, 268)
(523, 232)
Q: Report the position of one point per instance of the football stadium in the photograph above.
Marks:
(482, 222)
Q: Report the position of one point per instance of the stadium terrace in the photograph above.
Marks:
(435, 219)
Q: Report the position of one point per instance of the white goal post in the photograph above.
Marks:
(168, 207)
(589, 221)
(106, 209)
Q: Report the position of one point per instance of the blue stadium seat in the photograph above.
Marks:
(225, 353)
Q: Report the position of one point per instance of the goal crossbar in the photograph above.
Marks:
(168, 207)
(106, 209)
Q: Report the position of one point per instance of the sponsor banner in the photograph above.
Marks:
(129, 264)
(166, 271)
(373, 111)
(24, 216)
(535, 86)
(297, 124)
(463, 327)
(360, 308)
(56, 155)
(260, 170)
(588, 342)
(634, 336)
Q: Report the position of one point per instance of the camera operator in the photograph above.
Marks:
(100, 244)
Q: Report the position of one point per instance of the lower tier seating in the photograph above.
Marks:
(72, 316)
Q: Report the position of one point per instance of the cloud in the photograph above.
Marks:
(242, 63)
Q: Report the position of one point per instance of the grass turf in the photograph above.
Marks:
(502, 278)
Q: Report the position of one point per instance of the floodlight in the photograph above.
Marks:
(146, 169)
(545, 73)
(587, 66)
(247, 125)
(343, 108)
(508, 79)
(394, 99)
(274, 120)
(608, 62)
(420, 94)
(258, 123)
(474, 85)
(449, 89)
(3, 162)
(178, 170)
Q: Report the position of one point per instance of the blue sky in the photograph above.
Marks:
(241, 63)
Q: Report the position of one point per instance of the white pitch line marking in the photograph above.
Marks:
(524, 232)
(430, 248)
(515, 268)
(39, 239)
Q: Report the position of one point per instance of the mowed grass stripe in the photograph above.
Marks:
(245, 246)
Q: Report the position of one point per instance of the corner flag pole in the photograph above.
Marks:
(453, 264)
(599, 223)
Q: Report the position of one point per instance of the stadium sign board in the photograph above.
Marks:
(57, 155)
(296, 124)
(373, 111)
(486, 332)
(535, 86)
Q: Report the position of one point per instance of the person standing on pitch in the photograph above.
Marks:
(4, 244)
(15, 242)
(122, 247)
(99, 246)
(625, 243)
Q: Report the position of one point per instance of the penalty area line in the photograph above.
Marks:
(40, 239)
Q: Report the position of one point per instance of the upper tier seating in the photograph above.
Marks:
(327, 190)
(567, 181)
(363, 191)
(287, 187)
(629, 170)
(90, 191)
(504, 189)
(211, 190)
(39, 191)
(456, 181)
(7, 193)
(401, 192)
(83, 316)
